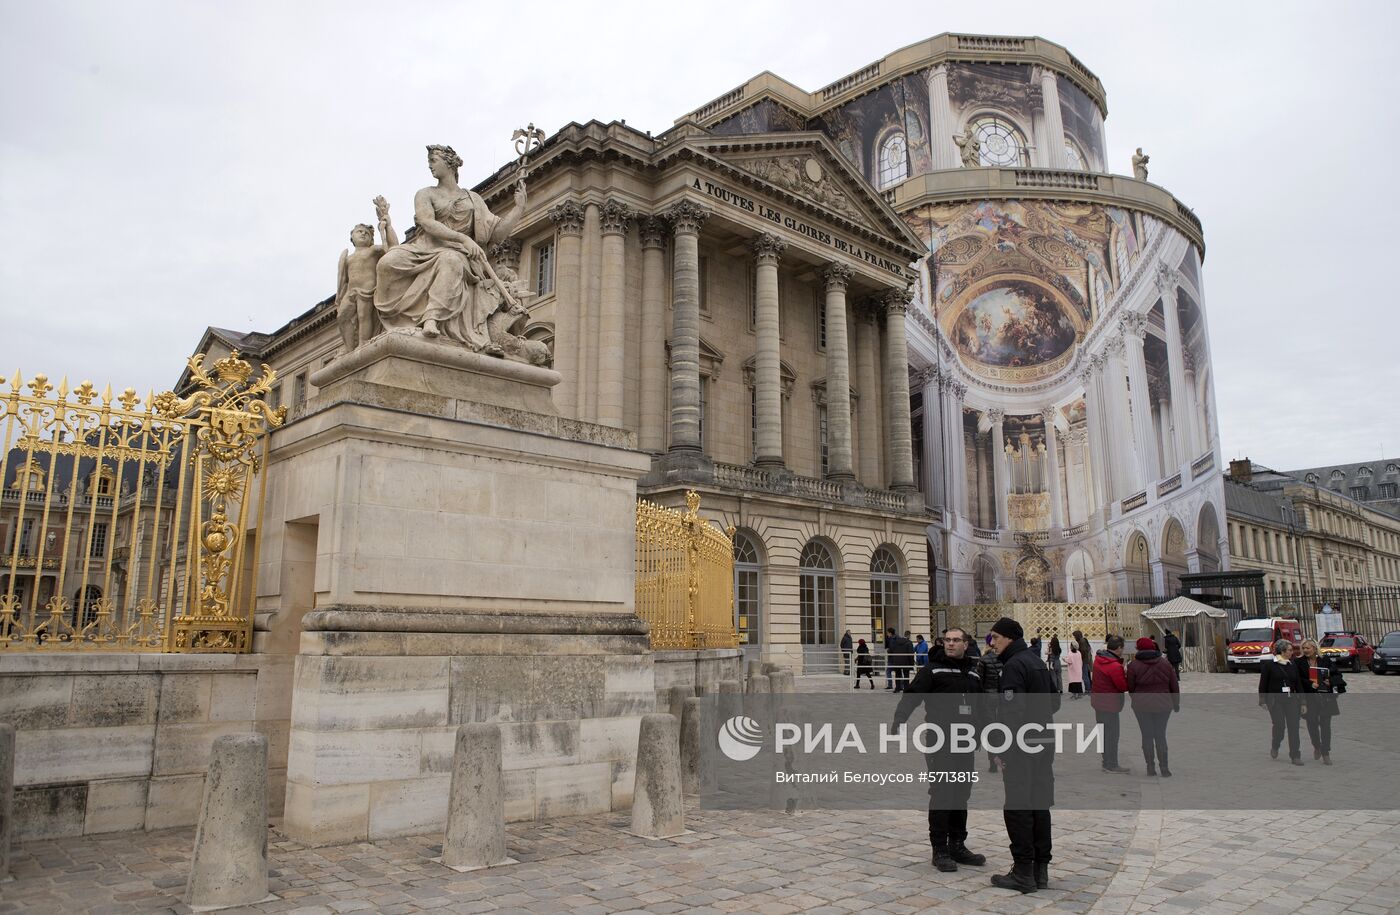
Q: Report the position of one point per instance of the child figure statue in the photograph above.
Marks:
(355, 279)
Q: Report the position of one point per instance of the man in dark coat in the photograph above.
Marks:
(949, 686)
(847, 646)
(1173, 652)
(1027, 696)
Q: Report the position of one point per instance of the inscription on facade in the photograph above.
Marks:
(793, 224)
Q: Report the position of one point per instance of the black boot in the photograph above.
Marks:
(1162, 762)
(1021, 878)
(960, 854)
(1042, 875)
(942, 860)
(1151, 766)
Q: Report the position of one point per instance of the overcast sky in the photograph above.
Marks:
(167, 166)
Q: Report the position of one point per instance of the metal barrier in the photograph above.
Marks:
(126, 521)
(685, 577)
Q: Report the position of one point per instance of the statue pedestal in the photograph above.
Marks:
(455, 551)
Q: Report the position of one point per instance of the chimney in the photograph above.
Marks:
(1242, 471)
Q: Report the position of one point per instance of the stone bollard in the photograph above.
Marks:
(658, 808)
(476, 812)
(753, 669)
(675, 699)
(769, 667)
(758, 685)
(229, 867)
(781, 681)
(7, 796)
(729, 701)
(692, 756)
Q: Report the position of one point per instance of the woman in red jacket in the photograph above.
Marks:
(1109, 685)
(1156, 693)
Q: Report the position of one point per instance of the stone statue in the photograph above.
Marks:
(355, 279)
(970, 148)
(1140, 165)
(440, 280)
(506, 325)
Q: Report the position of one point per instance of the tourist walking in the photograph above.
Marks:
(863, 664)
(1322, 682)
(1027, 777)
(1279, 689)
(1171, 647)
(846, 646)
(949, 685)
(1074, 670)
(1109, 684)
(920, 652)
(1052, 661)
(1155, 693)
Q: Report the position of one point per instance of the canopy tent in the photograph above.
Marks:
(1200, 627)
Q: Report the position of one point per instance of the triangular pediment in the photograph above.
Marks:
(805, 168)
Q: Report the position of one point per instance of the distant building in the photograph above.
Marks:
(1305, 535)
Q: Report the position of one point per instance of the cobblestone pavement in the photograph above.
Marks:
(817, 861)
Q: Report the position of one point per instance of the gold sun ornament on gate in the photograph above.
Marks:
(224, 483)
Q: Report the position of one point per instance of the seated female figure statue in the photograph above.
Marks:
(440, 280)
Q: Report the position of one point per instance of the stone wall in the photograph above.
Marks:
(108, 742)
(699, 670)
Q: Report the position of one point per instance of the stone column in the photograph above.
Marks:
(653, 362)
(897, 392)
(1134, 335)
(1098, 458)
(942, 127)
(935, 471)
(1184, 444)
(955, 391)
(999, 469)
(1052, 464)
(1171, 462)
(614, 218)
(568, 299)
(686, 218)
(767, 365)
(1192, 418)
(838, 376)
(1054, 122)
(867, 380)
(1120, 426)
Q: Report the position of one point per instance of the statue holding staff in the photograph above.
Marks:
(441, 281)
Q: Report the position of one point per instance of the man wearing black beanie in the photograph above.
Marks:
(1029, 778)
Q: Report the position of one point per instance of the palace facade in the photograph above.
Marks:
(905, 333)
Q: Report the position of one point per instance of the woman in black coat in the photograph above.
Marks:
(1280, 686)
(1321, 682)
(863, 663)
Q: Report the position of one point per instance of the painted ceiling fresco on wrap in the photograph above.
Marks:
(860, 127)
(1013, 323)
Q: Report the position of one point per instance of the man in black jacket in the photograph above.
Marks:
(1172, 646)
(1027, 696)
(950, 686)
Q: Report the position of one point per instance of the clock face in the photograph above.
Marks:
(1001, 143)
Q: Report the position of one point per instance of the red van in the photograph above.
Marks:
(1253, 641)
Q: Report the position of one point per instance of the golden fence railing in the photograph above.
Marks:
(685, 577)
(124, 522)
(1095, 620)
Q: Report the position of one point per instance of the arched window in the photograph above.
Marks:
(1074, 157)
(748, 600)
(893, 160)
(885, 604)
(1002, 144)
(817, 595)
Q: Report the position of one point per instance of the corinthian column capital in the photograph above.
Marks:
(767, 248)
(896, 301)
(996, 416)
(568, 216)
(1134, 324)
(837, 276)
(653, 231)
(615, 216)
(686, 217)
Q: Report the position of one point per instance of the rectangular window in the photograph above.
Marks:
(821, 319)
(753, 424)
(275, 396)
(821, 436)
(99, 540)
(1387, 490)
(746, 605)
(300, 390)
(26, 534)
(544, 268)
(1359, 493)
